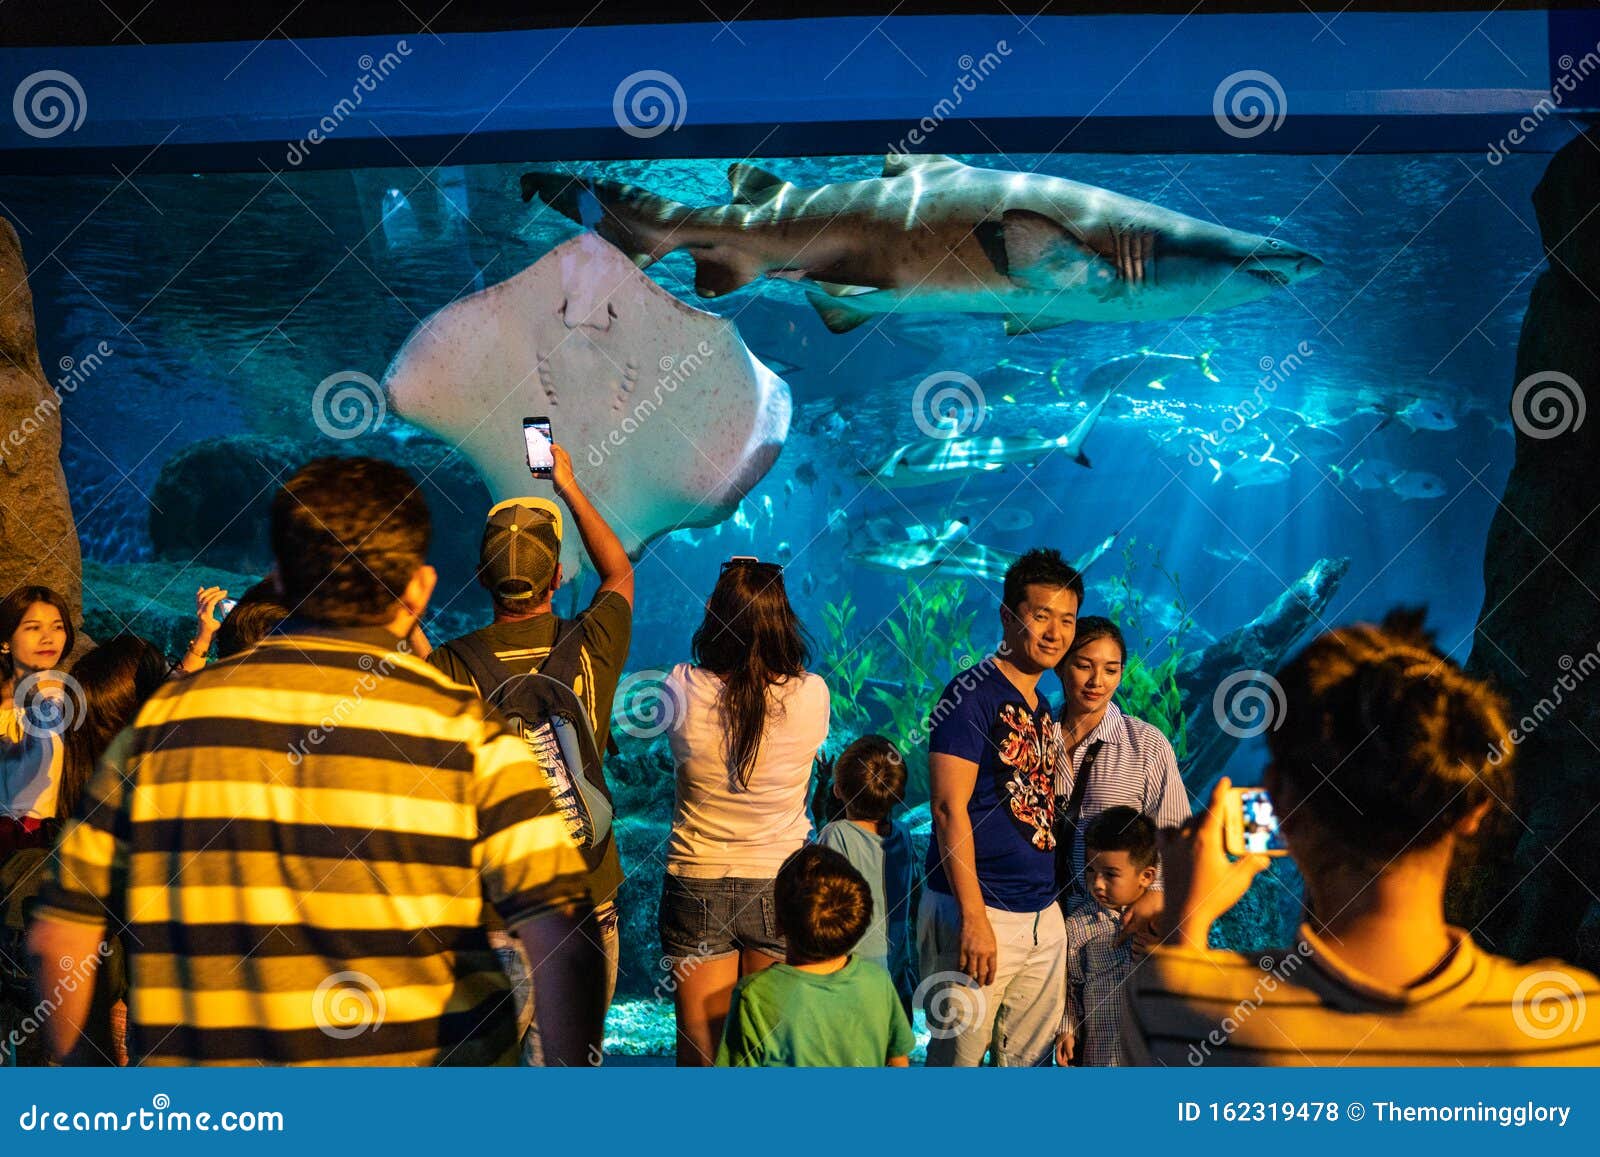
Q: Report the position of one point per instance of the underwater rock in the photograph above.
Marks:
(151, 600)
(1260, 645)
(211, 502)
(669, 418)
(38, 537)
(1538, 634)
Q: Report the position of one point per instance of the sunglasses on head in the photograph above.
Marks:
(751, 560)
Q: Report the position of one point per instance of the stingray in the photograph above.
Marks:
(668, 417)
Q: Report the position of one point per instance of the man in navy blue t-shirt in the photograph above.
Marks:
(989, 932)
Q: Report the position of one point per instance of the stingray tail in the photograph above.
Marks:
(635, 220)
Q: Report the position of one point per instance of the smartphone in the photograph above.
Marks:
(1250, 824)
(224, 608)
(536, 433)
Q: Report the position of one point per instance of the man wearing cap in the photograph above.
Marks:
(520, 566)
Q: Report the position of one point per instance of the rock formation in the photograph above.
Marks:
(1538, 635)
(38, 537)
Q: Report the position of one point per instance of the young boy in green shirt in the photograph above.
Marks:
(822, 1007)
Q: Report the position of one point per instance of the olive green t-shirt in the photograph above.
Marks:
(785, 1017)
(524, 645)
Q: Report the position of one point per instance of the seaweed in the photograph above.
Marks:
(888, 678)
(1149, 690)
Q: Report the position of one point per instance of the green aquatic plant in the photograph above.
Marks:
(1149, 689)
(847, 663)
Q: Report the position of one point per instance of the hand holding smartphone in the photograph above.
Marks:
(1251, 826)
(536, 437)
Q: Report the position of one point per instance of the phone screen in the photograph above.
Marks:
(1258, 825)
(536, 433)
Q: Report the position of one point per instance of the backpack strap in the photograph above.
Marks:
(485, 667)
(564, 660)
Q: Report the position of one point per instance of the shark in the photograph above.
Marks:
(932, 234)
(950, 553)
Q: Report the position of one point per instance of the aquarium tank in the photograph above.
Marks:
(1236, 450)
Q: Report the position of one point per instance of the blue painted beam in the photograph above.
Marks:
(1380, 82)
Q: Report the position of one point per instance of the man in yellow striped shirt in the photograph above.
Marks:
(300, 845)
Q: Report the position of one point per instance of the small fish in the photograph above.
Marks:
(1146, 369)
(1247, 470)
(948, 554)
(742, 520)
(1086, 560)
(766, 507)
(1368, 474)
(1311, 441)
(1009, 519)
(808, 584)
(1233, 554)
(785, 552)
(806, 474)
(1421, 414)
(1409, 484)
(686, 537)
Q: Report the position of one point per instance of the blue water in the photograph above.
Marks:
(226, 298)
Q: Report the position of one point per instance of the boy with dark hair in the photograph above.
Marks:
(989, 916)
(1119, 867)
(869, 780)
(824, 1006)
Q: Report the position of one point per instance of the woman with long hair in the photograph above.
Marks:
(747, 722)
(1386, 758)
(35, 638)
(1109, 759)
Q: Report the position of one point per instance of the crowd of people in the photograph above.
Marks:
(214, 861)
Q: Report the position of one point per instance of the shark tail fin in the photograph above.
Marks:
(1082, 459)
(836, 312)
(635, 220)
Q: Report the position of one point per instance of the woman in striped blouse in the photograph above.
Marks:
(1130, 762)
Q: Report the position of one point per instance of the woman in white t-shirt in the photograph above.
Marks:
(748, 721)
(35, 638)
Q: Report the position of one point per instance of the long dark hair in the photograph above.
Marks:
(14, 608)
(116, 678)
(752, 639)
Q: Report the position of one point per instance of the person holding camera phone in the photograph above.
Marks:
(536, 667)
(1381, 770)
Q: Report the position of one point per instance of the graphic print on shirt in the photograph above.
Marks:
(1028, 765)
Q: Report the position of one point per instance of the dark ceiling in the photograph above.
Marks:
(63, 22)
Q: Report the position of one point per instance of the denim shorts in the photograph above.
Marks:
(716, 917)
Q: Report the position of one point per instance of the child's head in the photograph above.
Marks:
(824, 905)
(1119, 856)
(869, 777)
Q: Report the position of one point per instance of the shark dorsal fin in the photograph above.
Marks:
(752, 184)
(896, 164)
